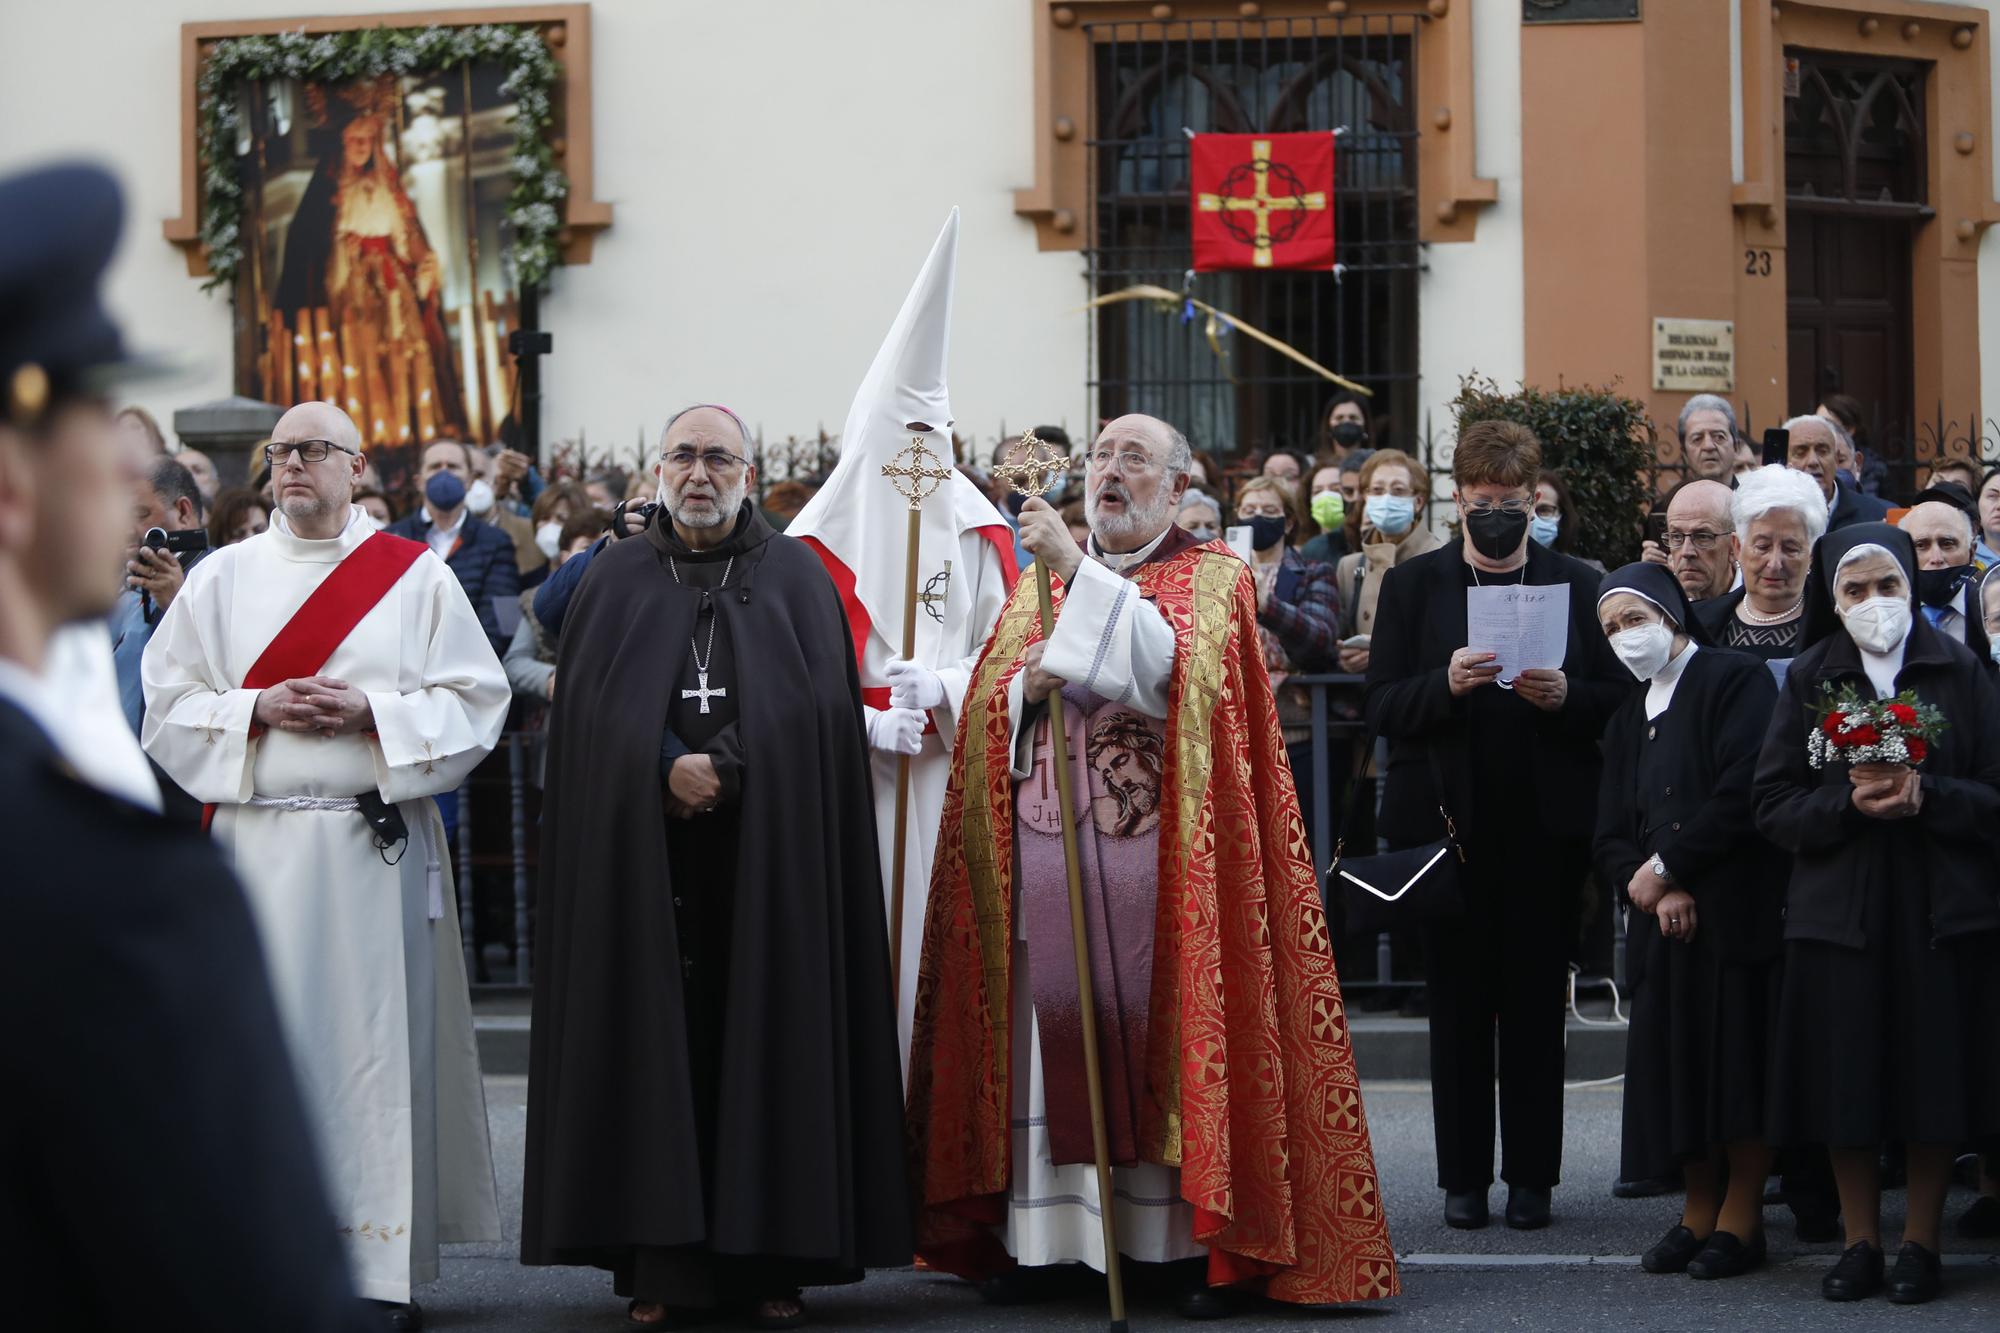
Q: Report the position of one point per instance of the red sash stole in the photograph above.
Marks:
(324, 620)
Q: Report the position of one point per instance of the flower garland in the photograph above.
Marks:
(534, 208)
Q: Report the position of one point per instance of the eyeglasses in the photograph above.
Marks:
(1129, 460)
(310, 451)
(1512, 508)
(719, 461)
(1702, 539)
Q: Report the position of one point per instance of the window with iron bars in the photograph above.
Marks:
(1154, 83)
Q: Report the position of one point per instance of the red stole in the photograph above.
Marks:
(328, 615)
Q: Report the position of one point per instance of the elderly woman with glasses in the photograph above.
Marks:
(1509, 760)
(1886, 1026)
(1779, 514)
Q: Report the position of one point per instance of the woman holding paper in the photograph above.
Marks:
(1677, 841)
(1518, 761)
(1886, 1029)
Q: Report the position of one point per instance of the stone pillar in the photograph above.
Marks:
(230, 431)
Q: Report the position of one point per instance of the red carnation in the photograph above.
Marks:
(1918, 749)
(1862, 735)
(1834, 722)
(1904, 714)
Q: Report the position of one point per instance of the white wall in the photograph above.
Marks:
(777, 170)
(1472, 303)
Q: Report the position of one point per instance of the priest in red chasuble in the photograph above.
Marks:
(1235, 1122)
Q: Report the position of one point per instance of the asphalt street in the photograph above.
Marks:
(1581, 1273)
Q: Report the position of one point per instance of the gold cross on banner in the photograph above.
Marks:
(1263, 203)
(1035, 467)
(916, 479)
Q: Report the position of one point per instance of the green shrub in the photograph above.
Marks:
(1602, 442)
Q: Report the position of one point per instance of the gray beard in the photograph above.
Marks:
(1133, 523)
(296, 509)
(728, 500)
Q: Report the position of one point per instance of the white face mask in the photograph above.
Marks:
(1877, 624)
(378, 523)
(479, 497)
(547, 538)
(1644, 649)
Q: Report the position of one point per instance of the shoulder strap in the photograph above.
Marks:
(325, 619)
(1369, 735)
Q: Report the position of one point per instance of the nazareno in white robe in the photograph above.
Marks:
(974, 598)
(1113, 642)
(364, 957)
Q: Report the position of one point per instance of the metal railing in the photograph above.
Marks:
(498, 935)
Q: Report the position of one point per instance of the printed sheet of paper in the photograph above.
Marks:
(1527, 627)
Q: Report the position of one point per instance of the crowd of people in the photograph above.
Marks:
(1773, 743)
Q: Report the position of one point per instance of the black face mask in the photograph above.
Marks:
(1496, 534)
(1266, 531)
(1936, 587)
(1349, 433)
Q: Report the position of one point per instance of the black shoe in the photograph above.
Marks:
(1815, 1226)
(400, 1318)
(1917, 1276)
(1727, 1256)
(1022, 1286)
(1465, 1212)
(1982, 1220)
(1856, 1276)
(1651, 1188)
(1672, 1253)
(1527, 1208)
(1203, 1303)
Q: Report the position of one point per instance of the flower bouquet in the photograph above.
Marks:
(1853, 730)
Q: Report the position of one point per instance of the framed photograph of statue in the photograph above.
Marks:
(384, 196)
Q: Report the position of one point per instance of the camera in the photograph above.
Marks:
(187, 542)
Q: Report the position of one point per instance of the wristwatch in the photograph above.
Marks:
(1660, 868)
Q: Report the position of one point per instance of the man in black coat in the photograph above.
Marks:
(715, 1094)
(155, 1154)
(480, 555)
(1519, 772)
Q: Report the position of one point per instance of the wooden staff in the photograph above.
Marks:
(1032, 473)
(915, 473)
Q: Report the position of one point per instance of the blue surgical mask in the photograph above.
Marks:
(1390, 515)
(1544, 530)
(1993, 650)
(1205, 533)
(445, 491)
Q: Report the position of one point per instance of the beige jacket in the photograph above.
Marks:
(1360, 609)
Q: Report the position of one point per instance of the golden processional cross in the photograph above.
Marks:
(1263, 203)
(915, 472)
(1034, 470)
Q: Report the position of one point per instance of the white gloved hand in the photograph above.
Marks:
(896, 730)
(913, 685)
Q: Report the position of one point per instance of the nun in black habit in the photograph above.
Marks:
(1677, 838)
(1886, 1019)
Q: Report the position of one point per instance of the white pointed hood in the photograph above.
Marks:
(857, 517)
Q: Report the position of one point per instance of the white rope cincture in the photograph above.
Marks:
(334, 804)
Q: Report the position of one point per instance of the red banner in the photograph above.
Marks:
(1261, 200)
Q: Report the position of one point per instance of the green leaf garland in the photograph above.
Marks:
(534, 208)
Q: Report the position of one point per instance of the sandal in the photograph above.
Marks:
(632, 1316)
(762, 1316)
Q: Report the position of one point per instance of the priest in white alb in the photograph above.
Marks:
(858, 523)
(315, 685)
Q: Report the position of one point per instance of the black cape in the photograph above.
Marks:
(805, 1100)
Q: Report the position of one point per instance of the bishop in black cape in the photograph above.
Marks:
(715, 1096)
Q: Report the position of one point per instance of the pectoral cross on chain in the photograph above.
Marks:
(704, 693)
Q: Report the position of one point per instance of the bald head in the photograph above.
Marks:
(317, 421)
(1701, 546)
(1942, 534)
(315, 496)
(1168, 446)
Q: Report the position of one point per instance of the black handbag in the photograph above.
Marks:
(1392, 890)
